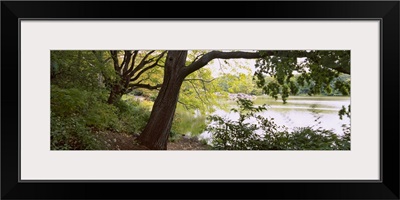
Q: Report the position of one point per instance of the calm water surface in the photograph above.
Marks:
(297, 112)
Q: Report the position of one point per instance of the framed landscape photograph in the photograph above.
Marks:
(129, 95)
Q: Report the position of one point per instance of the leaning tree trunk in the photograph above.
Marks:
(155, 134)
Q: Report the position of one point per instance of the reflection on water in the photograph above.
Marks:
(298, 112)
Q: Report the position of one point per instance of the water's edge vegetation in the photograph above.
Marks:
(118, 100)
(93, 125)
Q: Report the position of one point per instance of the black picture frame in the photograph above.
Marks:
(386, 11)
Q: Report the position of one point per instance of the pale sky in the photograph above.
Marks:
(232, 66)
(236, 66)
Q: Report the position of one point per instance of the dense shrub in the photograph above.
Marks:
(307, 138)
(77, 115)
(102, 116)
(73, 112)
(89, 105)
(66, 102)
(229, 134)
(264, 134)
(72, 133)
(133, 116)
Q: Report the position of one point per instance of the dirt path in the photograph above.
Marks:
(187, 144)
(121, 141)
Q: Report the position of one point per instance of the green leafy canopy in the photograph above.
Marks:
(291, 69)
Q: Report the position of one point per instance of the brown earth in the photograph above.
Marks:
(187, 144)
(123, 141)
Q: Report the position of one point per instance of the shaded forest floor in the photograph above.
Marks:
(121, 141)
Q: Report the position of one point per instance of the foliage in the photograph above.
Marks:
(78, 114)
(241, 83)
(71, 134)
(187, 122)
(228, 134)
(86, 69)
(198, 91)
(337, 87)
(133, 116)
(73, 112)
(346, 127)
(345, 111)
(135, 70)
(307, 138)
(318, 69)
(87, 104)
(82, 82)
(264, 134)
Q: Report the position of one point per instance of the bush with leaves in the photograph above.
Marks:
(255, 132)
(346, 127)
(229, 134)
(77, 115)
(133, 116)
(73, 113)
(72, 134)
(307, 138)
(90, 105)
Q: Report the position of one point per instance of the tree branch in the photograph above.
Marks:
(106, 60)
(197, 57)
(135, 53)
(186, 105)
(141, 72)
(146, 86)
(201, 62)
(142, 63)
(197, 92)
(114, 56)
(127, 60)
(199, 79)
(341, 69)
(155, 64)
(99, 58)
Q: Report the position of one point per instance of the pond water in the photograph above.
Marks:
(299, 111)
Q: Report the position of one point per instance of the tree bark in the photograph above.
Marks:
(128, 72)
(115, 94)
(156, 133)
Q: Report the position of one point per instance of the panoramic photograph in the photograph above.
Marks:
(200, 100)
